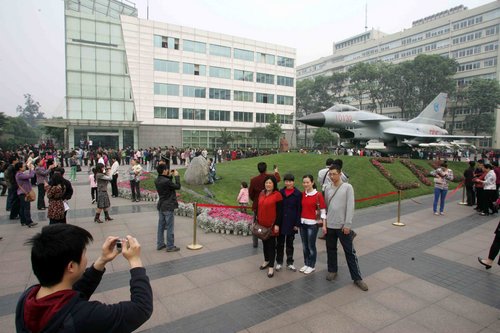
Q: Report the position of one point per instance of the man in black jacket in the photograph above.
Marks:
(166, 205)
(60, 303)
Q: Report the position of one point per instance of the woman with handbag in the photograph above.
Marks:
(270, 215)
(25, 193)
(313, 214)
(55, 194)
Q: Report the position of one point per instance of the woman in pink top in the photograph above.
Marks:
(93, 185)
(243, 196)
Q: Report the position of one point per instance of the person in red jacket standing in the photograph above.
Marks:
(256, 186)
(270, 215)
(312, 204)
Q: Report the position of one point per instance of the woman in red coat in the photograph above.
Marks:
(270, 214)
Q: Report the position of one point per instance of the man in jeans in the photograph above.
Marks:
(339, 198)
(166, 205)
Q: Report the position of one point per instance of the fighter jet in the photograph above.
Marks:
(381, 131)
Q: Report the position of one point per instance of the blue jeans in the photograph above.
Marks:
(437, 193)
(165, 222)
(309, 233)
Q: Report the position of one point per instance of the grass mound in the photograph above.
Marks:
(365, 178)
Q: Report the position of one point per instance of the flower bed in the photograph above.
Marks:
(420, 172)
(124, 191)
(220, 220)
(377, 163)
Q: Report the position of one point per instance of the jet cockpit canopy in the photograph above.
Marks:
(342, 108)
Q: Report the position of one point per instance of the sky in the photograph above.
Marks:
(32, 33)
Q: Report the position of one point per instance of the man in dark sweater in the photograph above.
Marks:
(60, 303)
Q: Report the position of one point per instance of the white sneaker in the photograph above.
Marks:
(278, 267)
(309, 270)
(303, 269)
(291, 267)
(436, 213)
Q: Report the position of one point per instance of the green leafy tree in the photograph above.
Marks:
(483, 96)
(17, 132)
(401, 84)
(433, 74)
(56, 133)
(362, 76)
(225, 137)
(31, 111)
(273, 130)
(323, 137)
(258, 134)
(3, 120)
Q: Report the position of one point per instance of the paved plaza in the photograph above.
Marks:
(423, 277)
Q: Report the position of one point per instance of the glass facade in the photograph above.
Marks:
(98, 85)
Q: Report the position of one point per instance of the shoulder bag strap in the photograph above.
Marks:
(338, 188)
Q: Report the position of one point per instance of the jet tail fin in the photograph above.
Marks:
(433, 113)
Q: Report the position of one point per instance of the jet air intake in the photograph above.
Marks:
(314, 119)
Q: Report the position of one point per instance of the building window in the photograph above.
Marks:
(284, 100)
(243, 75)
(265, 58)
(245, 117)
(192, 46)
(166, 42)
(194, 69)
(219, 115)
(220, 50)
(215, 93)
(262, 117)
(244, 96)
(285, 81)
(191, 91)
(285, 62)
(265, 98)
(166, 113)
(243, 54)
(166, 66)
(284, 119)
(265, 78)
(220, 72)
(193, 114)
(166, 89)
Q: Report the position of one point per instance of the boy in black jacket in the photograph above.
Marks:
(60, 303)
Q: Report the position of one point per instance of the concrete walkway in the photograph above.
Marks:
(423, 277)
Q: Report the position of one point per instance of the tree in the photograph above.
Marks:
(31, 111)
(258, 133)
(323, 137)
(17, 132)
(56, 133)
(273, 130)
(225, 137)
(433, 74)
(362, 76)
(3, 120)
(401, 83)
(483, 96)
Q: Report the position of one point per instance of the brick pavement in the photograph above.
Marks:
(220, 288)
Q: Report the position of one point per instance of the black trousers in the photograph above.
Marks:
(281, 240)
(114, 185)
(495, 247)
(41, 196)
(269, 246)
(136, 190)
(471, 196)
(332, 235)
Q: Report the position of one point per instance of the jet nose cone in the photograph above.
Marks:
(314, 119)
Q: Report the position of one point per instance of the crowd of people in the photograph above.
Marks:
(325, 206)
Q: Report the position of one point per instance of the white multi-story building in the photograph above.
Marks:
(140, 83)
(471, 36)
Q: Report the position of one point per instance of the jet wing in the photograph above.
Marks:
(417, 134)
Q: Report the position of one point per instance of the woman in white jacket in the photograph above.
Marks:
(489, 188)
